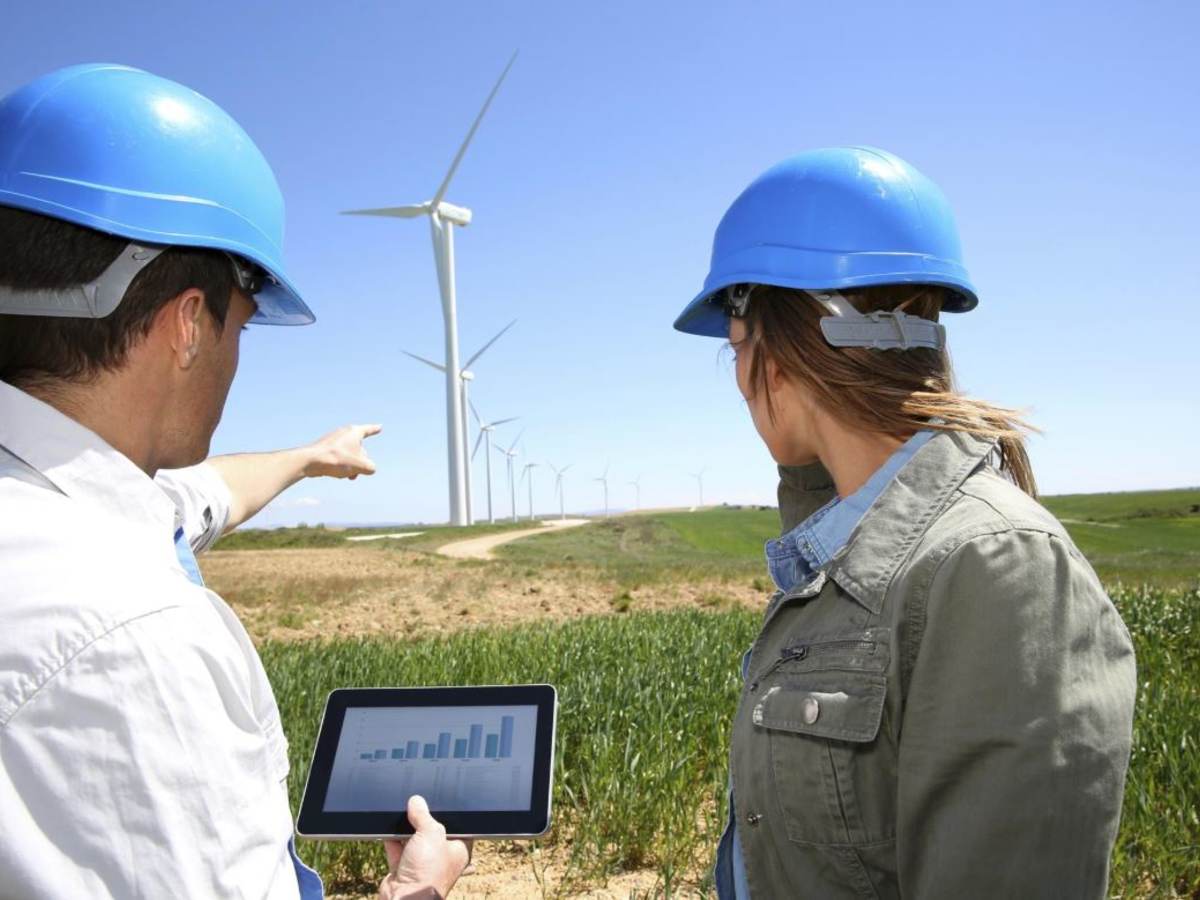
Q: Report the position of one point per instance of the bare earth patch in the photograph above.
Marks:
(302, 594)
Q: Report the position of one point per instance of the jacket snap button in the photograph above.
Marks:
(753, 819)
(809, 710)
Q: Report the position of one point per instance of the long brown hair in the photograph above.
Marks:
(894, 392)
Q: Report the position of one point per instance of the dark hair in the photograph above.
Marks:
(38, 252)
(883, 391)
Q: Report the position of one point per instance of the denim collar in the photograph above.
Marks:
(796, 556)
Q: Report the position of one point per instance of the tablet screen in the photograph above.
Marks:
(459, 758)
(481, 756)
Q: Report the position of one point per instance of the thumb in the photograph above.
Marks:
(418, 814)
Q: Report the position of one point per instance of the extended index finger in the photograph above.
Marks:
(369, 430)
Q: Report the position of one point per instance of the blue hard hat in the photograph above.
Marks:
(833, 219)
(125, 152)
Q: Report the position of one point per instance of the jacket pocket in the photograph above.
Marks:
(834, 773)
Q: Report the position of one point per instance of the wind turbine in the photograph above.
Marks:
(699, 476)
(558, 489)
(485, 435)
(443, 217)
(511, 453)
(603, 479)
(637, 486)
(466, 376)
(528, 472)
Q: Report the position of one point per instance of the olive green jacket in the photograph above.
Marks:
(945, 710)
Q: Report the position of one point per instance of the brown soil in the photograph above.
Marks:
(301, 594)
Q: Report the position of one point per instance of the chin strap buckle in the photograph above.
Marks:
(847, 327)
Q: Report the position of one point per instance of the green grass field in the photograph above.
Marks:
(647, 697)
(646, 701)
(1149, 537)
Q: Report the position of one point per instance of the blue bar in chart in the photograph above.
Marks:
(473, 747)
(381, 754)
(493, 746)
(460, 748)
(413, 750)
(443, 745)
(366, 756)
(506, 736)
(430, 751)
(397, 753)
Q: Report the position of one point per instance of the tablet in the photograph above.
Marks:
(482, 757)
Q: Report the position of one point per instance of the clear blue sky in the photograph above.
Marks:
(1064, 134)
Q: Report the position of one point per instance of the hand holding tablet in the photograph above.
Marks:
(482, 757)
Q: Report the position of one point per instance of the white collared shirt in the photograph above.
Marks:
(141, 753)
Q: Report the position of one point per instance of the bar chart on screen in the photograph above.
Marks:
(464, 758)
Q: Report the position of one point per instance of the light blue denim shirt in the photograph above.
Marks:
(792, 561)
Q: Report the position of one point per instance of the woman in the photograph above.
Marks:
(940, 700)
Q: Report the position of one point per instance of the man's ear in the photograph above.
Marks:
(182, 318)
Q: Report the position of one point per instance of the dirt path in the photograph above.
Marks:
(482, 547)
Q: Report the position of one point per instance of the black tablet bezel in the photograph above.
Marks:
(315, 822)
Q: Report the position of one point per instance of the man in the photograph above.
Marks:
(141, 752)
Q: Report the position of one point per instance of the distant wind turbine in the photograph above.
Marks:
(527, 472)
(511, 453)
(637, 487)
(699, 476)
(558, 488)
(466, 376)
(443, 217)
(603, 479)
(485, 435)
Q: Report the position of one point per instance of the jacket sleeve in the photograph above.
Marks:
(802, 491)
(1016, 729)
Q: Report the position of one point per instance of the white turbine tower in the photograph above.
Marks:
(558, 488)
(511, 453)
(466, 376)
(603, 479)
(637, 487)
(699, 476)
(527, 472)
(485, 435)
(443, 217)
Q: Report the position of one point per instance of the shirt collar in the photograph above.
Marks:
(814, 542)
(79, 463)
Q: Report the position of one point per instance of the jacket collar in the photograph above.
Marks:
(887, 533)
(80, 464)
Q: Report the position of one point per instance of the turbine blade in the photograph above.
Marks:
(428, 362)
(484, 348)
(395, 212)
(503, 421)
(475, 413)
(513, 445)
(478, 441)
(441, 191)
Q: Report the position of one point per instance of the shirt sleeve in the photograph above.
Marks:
(141, 769)
(1016, 730)
(203, 500)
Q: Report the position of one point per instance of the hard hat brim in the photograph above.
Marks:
(704, 317)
